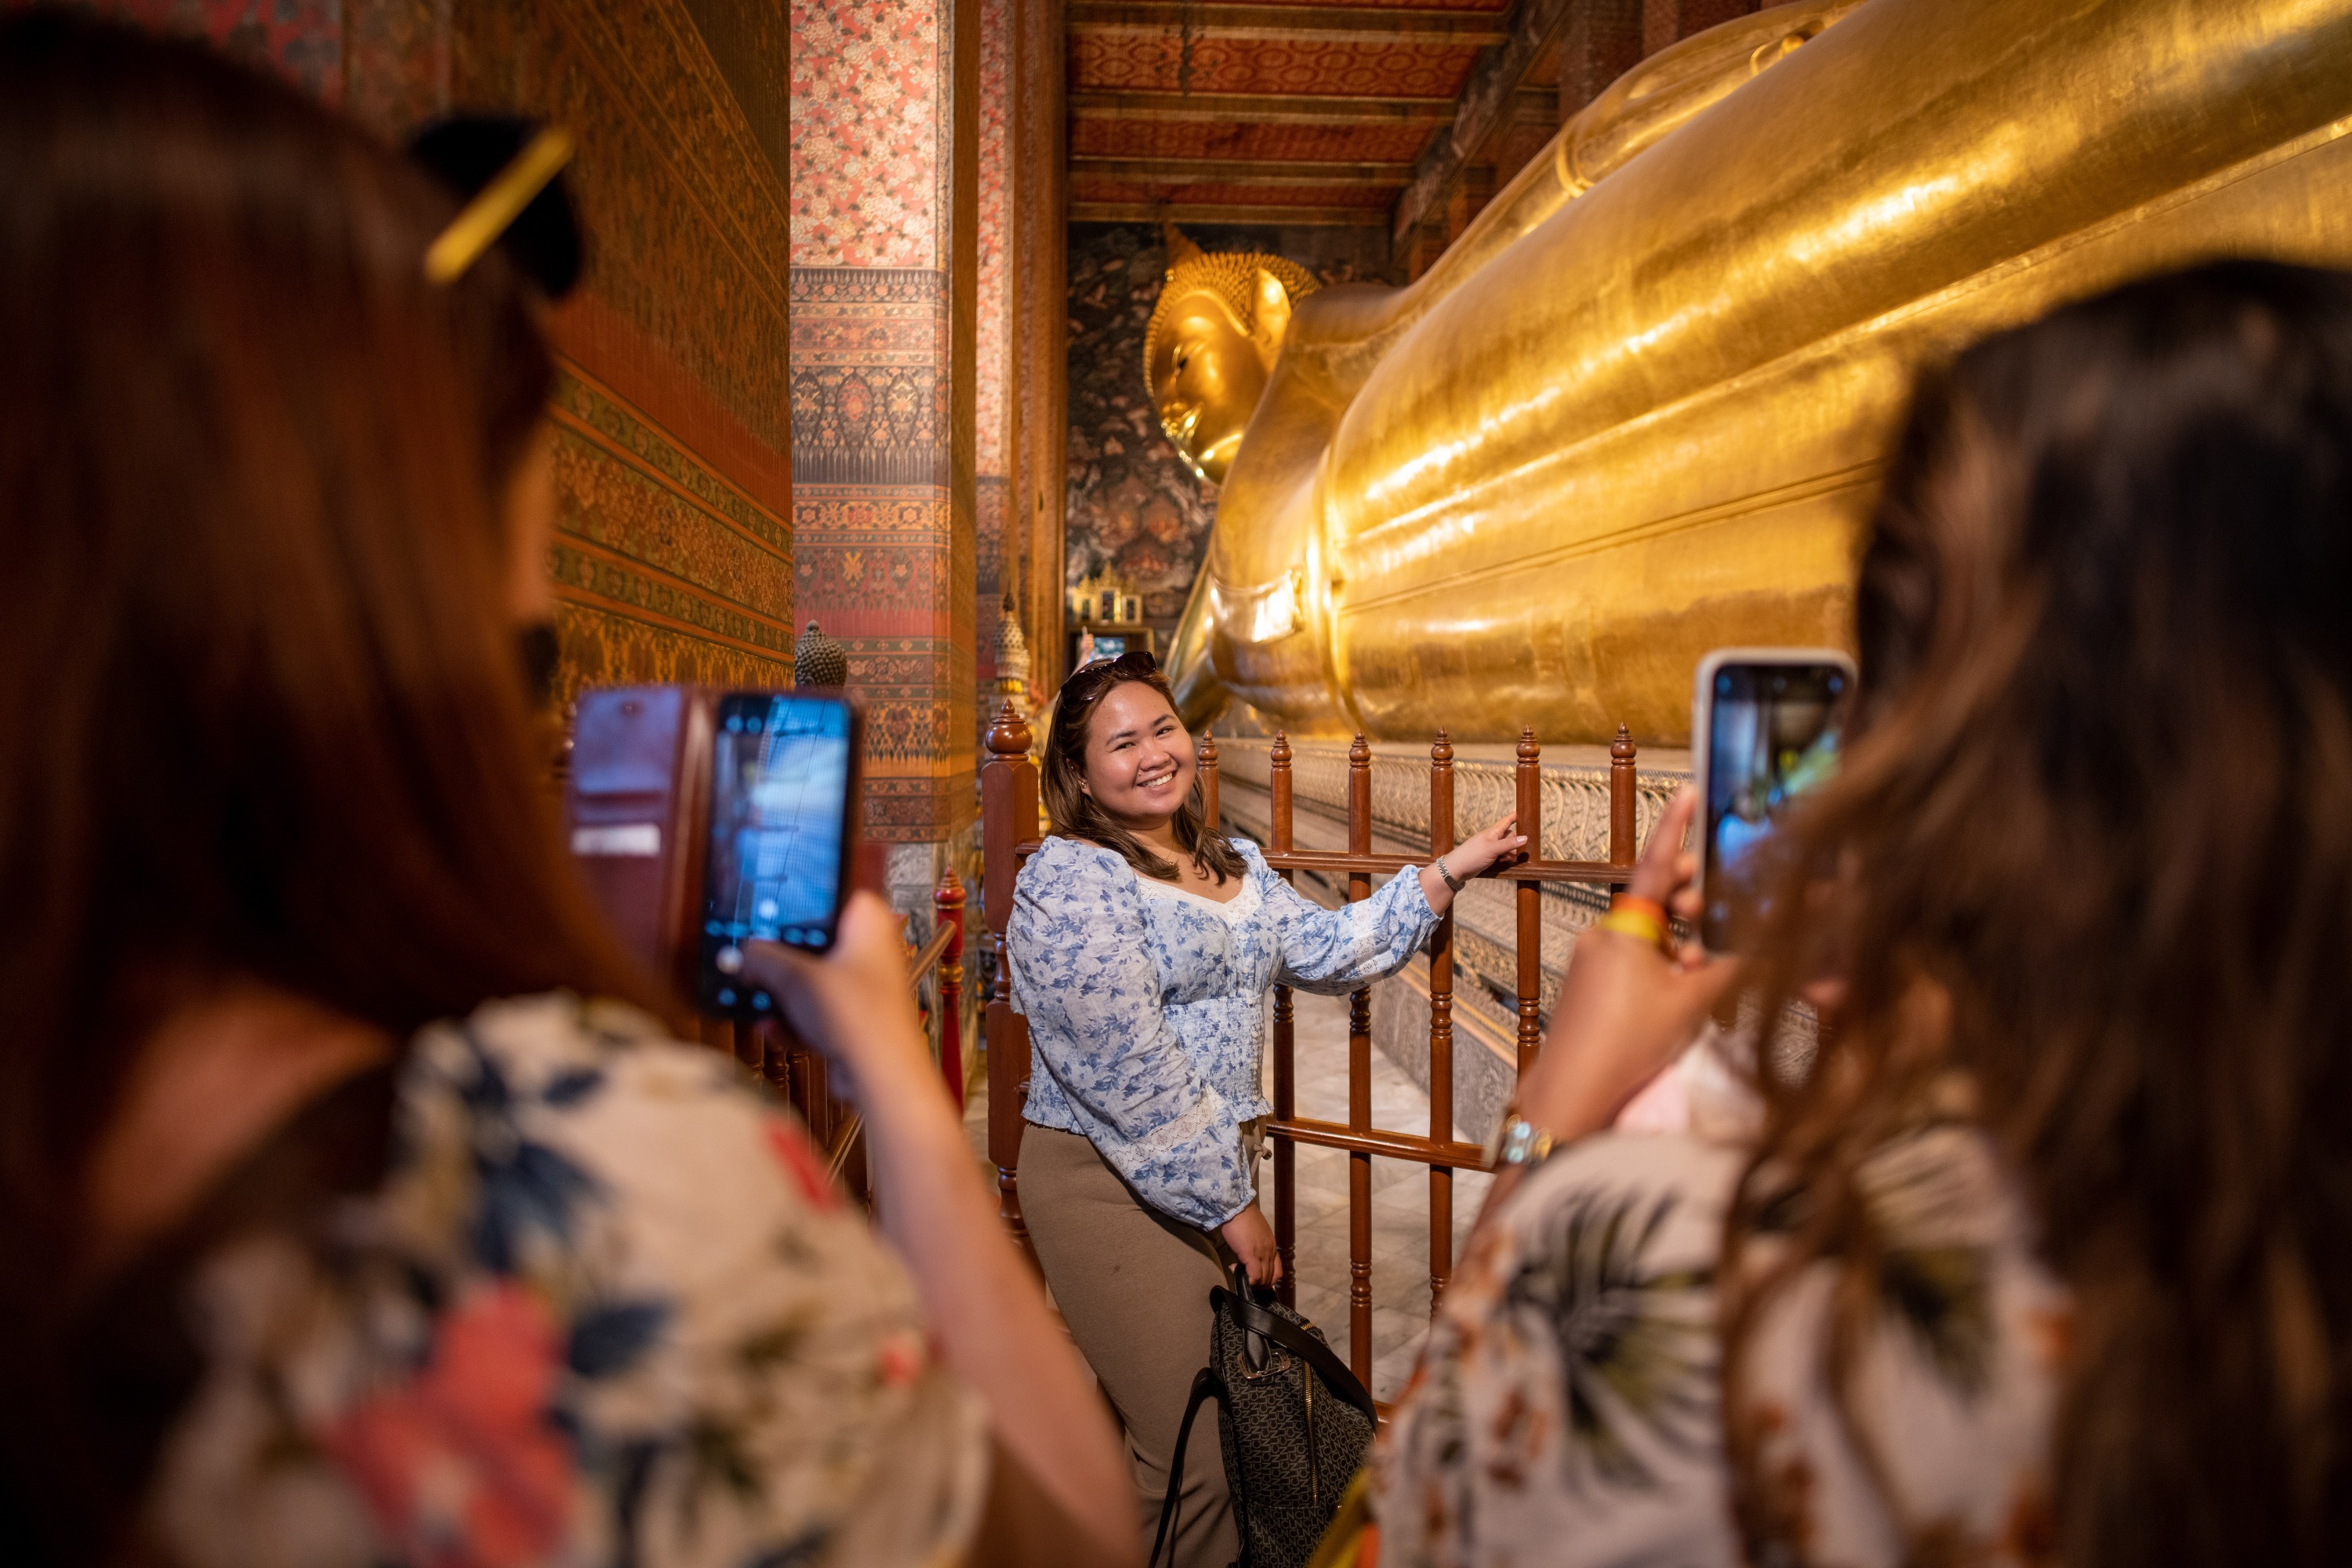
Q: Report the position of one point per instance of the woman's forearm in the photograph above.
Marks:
(989, 1314)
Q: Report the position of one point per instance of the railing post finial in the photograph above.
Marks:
(947, 899)
(1624, 830)
(1009, 736)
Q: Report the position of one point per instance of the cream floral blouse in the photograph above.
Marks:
(605, 1309)
(1566, 1410)
(1147, 1006)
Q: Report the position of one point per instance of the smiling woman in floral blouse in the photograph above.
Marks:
(1143, 944)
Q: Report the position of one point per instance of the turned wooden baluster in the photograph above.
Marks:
(947, 899)
(1359, 1083)
(1441, 1027)
(1008, 806)
(1529, 779)
(1285, 1054)
(1623, 829)
(1206, 755)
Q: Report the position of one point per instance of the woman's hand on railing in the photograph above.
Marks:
(1468, 859)
(1626, 1008)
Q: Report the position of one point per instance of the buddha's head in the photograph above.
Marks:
(1212, 343)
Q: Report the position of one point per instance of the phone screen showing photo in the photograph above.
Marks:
(780, 782)
(1773, 732)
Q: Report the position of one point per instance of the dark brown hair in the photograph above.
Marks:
(1076, 814)
(2095, 896)
(261, 709)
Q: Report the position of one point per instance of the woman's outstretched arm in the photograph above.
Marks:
(986, 1308)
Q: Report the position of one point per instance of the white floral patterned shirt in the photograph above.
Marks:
(1147, 1006)
(605, 1308)
(1568, 1407)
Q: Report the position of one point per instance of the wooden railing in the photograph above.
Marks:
(1010, 832)
(799, 1074)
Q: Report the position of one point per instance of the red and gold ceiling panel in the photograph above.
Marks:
(1209, 140)
(1240, 110)
(1157, 63)
(1375, 198)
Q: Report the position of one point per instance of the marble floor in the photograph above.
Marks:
(1400, 1198)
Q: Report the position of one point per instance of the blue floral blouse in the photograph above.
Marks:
(1147, 1006)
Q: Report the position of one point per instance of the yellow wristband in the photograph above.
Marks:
(1639, 924)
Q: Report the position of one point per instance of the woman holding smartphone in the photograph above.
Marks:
(1143, 943)
(357, 1203)
(2043, 1253)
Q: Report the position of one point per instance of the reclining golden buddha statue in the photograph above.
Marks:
(1636, 410)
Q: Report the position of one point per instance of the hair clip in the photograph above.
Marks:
(499, 203)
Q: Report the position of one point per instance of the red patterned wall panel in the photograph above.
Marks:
(866, 133)
(673, 557)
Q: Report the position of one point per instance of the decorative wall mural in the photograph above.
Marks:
(1133, 506)
(673, 557)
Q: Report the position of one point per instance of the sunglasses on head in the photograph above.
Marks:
(1125, 666)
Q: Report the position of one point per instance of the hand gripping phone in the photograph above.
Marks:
(703, 818)
(1766, 727)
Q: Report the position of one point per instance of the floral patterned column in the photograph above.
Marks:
(883, 542)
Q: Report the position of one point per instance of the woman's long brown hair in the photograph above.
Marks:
(2093, 856)
(259, 708)
(1075, 814)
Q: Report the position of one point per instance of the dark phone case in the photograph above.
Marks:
(641, 760)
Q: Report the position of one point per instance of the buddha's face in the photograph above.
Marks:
(1209, 369)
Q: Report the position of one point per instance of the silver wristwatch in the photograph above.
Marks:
(1519, 1142)
(1445, 874)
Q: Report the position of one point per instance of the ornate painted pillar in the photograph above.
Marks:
(884, 258)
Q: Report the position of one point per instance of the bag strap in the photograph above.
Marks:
(1281, 1330)
(1207, 1386)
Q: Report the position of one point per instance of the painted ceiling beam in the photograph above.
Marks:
(1240, 172)
(1346, 24)
(1226, 212)
(1292, 108)
(1487, 100)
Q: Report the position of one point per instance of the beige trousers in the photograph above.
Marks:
(1133, 1285)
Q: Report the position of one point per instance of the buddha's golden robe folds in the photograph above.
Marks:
(1637, 410)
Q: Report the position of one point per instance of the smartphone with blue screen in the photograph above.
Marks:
(1766, 727)
(776, 867)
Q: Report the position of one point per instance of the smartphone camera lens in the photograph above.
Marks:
(728, 960)
(727, 995)
(762, 1002)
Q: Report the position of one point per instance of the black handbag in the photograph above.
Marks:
(1295, 1423)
